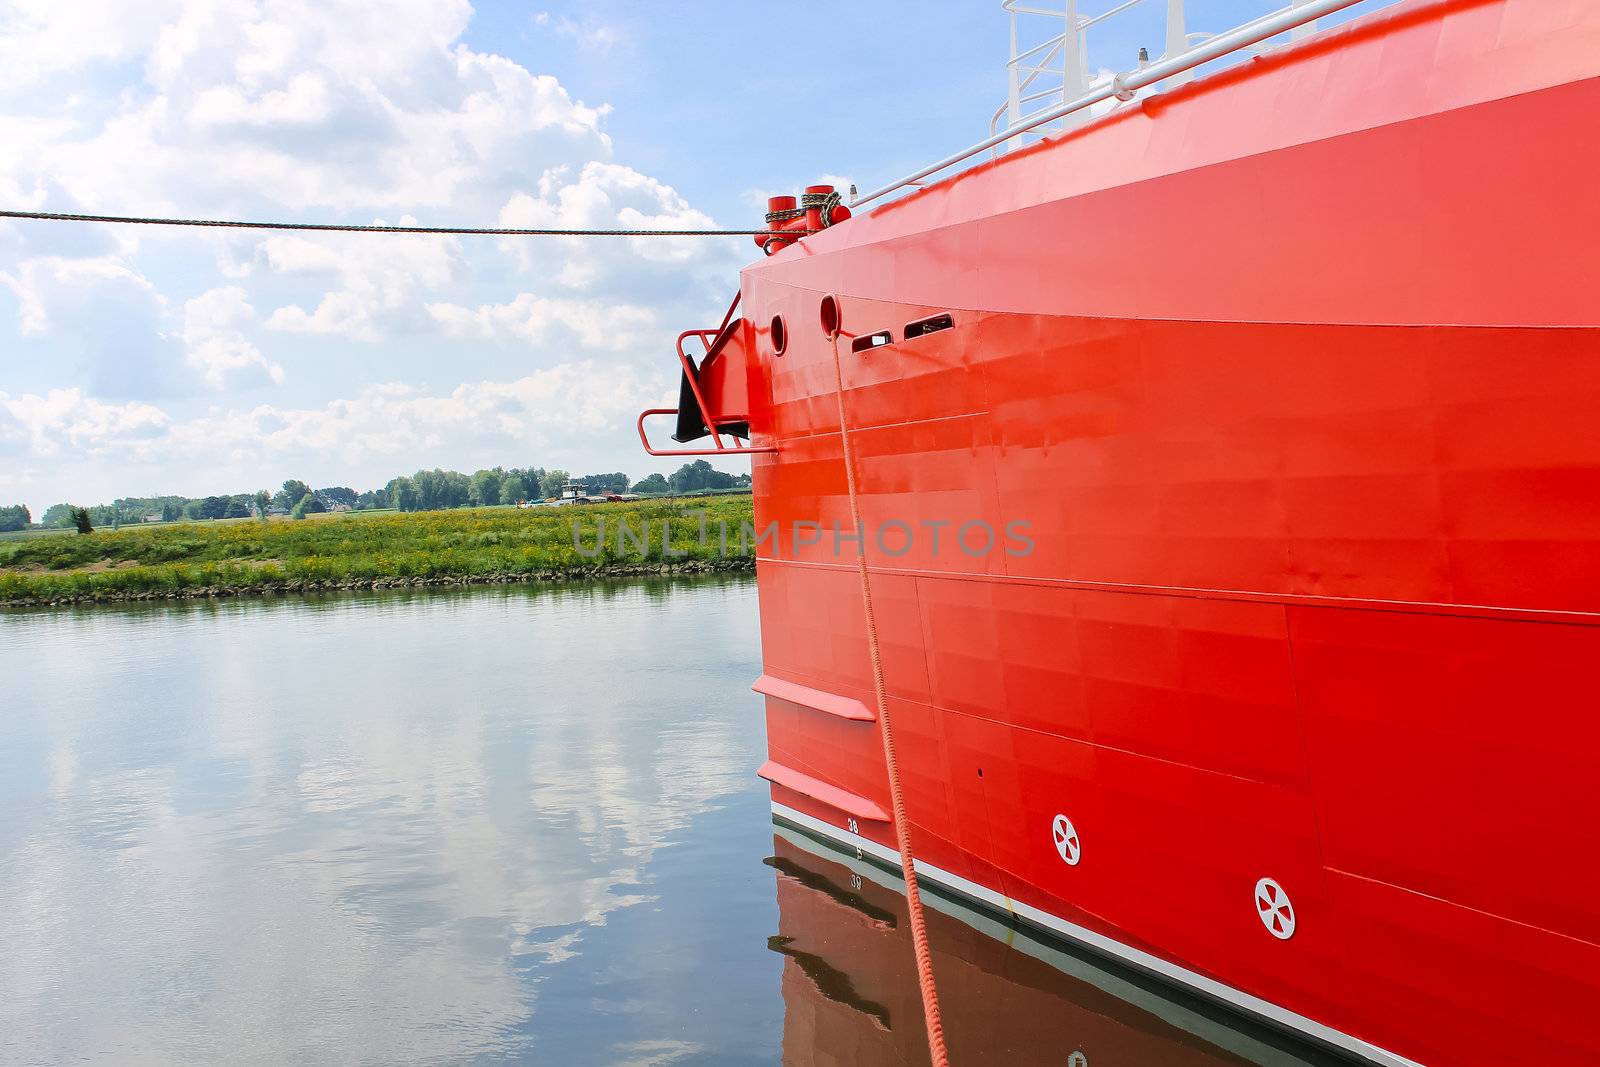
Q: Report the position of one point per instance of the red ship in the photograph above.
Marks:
(1228, 470)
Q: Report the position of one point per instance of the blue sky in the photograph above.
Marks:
(141, 362)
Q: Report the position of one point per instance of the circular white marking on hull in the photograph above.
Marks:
(1066, 839)
(1275, 910)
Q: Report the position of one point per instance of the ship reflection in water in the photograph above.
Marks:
(850, 986)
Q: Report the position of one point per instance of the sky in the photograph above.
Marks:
(138, 361)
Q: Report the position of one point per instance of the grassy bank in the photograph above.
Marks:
(359, 550)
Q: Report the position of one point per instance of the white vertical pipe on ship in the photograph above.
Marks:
(1014, 97)
(1072, 52)
(1124, 85)
(1177, 40)
(1308, 11)
(1305, 29)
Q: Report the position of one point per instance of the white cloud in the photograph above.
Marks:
(352, 105)
(304, 100)
(393, 419)
(380, 279)
(67, 417)
(104, 320)
(398, 419)
(43, 38)
(617, 327)
(15, 440)
(611, 196)
(214, 340)
(41, 282)
(588, 35)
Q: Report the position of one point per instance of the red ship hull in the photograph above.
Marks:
(1291, 378)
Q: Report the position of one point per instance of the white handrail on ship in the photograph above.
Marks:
(1178, 40)
(1124, 85)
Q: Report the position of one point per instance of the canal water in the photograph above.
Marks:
(497, 825)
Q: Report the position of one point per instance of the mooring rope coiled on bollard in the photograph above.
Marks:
(902, 826)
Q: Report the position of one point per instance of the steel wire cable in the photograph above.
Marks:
(337, 227)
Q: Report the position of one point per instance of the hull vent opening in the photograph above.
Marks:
(828, 312)
(871, 341)
(929, 325)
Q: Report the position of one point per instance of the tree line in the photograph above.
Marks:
(426, 490)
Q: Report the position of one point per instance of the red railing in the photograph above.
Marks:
(707, 338)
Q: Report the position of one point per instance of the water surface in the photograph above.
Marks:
(496, 825)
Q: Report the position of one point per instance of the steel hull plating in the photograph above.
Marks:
(1299, 418)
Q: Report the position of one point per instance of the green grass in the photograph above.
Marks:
(24, 535)
(353, 546)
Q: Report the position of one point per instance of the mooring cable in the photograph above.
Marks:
(902, 825)
(336, 227)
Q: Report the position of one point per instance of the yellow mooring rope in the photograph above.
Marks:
(902, 825)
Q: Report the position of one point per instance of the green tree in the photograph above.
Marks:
(15, 517)
(532, 479)
(614, 482)
(428, 489)
(652, 485)
(292, 493)
(699, 475)
(262, 501)
(551, 482)
(80, 519)
(486, 489)
(439, 489)
(403, 493)
(308, 505)
(57, 515)
(513, 489)
(455, 489)
(337, 494)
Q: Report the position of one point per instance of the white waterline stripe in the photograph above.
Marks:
(1117, 950)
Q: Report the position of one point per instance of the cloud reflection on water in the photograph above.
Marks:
(360, 829)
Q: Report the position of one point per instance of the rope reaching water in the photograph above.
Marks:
(902, 825)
